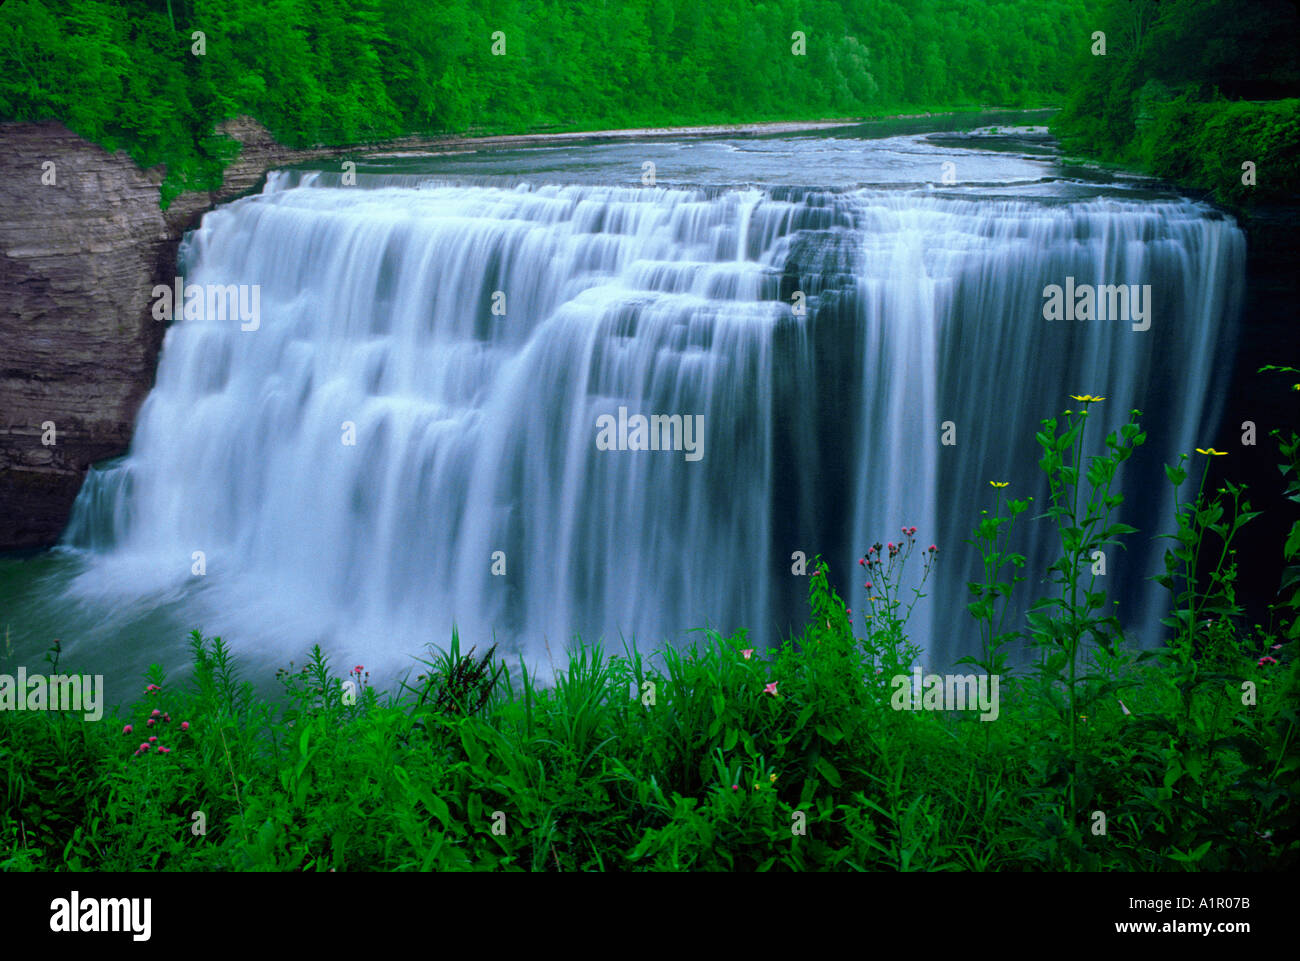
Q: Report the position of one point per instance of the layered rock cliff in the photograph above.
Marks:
(79, 257)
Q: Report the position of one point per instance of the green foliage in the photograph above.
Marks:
(1060, 625)
(1206, 144)
(992, 596)
(1289, 590)
(1208, 672)
(124, 73)
(716, 757)
(456, 683)
(1189, 90)
(722, 756)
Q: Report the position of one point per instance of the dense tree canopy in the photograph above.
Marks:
(126, 72)
(1172, 90)
(1191, 89)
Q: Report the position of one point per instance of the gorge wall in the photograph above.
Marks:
(78, 343)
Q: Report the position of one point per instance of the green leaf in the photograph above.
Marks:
(1192, 858)
(830, 732)
(1292, 546)
(804, 716)
(827, 770)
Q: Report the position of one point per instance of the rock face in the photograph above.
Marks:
(79, 258)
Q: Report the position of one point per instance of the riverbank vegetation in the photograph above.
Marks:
(811, 755)
(1198, 92)
(1187, 90)
(137, 75)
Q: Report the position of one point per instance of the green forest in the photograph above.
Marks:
(1189, 90)
(130, 74)
(1169, 88)
(1179, 81)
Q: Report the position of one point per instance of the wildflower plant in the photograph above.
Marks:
(1203, 594)
(992, 595)
(889, 650)
(1060, 625)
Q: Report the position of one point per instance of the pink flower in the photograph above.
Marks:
(735, 787)
(770, 689)
(167, 718)
(848, 610)
(152, 739)
(1276, 647)
(867, 585)
(891, 545)
(1266, 660)
(127, 729)
(746, 652)
(156, 713)
(152, 687)
(149, 723)
(185, 725)
(863, 562)
(163, 750)
(933, 549)
(142, 747)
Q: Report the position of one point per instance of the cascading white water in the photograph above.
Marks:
(471, 336)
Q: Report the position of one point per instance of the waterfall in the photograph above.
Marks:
(406, 437)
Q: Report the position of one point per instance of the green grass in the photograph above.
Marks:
(1101, 757)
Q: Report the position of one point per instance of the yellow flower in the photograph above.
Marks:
(1212, 452)
(999, 483)
(1086, 398)
(771, 778)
